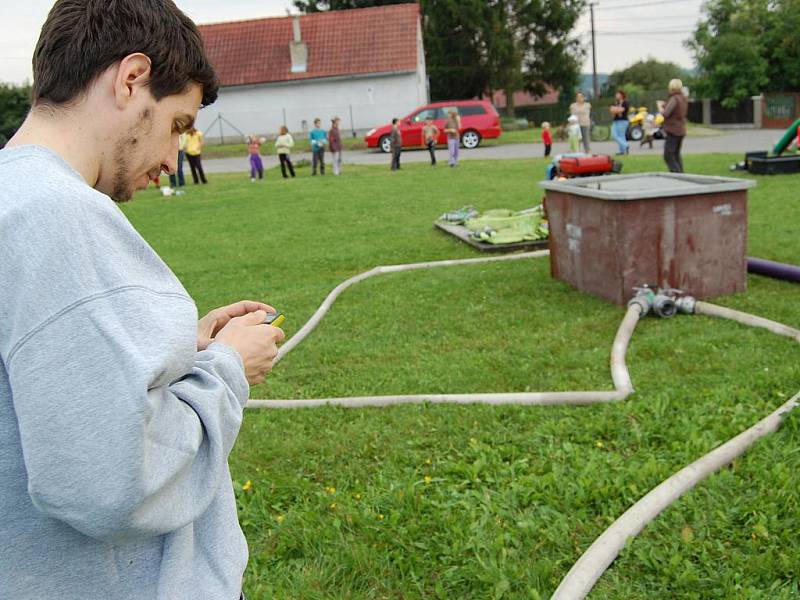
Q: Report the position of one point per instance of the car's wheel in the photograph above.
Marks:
(635, 133)
(385, 144)
(470, 139)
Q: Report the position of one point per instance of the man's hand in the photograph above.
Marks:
(255, 342)
(209, 326)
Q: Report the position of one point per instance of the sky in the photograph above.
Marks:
(626, 30)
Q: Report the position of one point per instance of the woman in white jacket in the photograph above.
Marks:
(284, 144)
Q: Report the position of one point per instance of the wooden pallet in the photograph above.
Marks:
(462, 233)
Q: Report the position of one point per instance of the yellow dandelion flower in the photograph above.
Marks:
(279, 519)
(429, 462)
(380, 517)
(428, 479)
(333, 506)
(599, 444)
(247, 486)
(330, 490)
(357, 496)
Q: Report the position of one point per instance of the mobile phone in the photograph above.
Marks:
(275, 319)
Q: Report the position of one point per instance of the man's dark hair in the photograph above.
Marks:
(82, 38)
(394, 121)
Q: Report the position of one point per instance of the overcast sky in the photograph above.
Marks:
(627, 30)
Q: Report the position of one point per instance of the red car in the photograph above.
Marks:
(479, 120)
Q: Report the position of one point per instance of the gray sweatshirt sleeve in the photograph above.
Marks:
(125, 427)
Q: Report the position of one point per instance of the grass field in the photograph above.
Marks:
(480, 502)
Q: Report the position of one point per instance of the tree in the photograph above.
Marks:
(645, 75)
(745, 47)
(14, 106)
(476, 46)
(529, 46)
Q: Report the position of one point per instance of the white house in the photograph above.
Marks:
(363, 65)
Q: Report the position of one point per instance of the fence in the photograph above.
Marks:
(780, 109)
(557, 113)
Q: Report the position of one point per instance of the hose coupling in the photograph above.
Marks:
(644, 298)
(686, 304)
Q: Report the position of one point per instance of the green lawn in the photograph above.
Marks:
(459, 502)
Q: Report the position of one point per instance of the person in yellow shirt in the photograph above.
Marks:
(175, 181)
(193, 150)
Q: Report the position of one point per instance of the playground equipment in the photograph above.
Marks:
(636, 119)
(762, 163)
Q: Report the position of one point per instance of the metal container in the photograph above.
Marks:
(611, 233)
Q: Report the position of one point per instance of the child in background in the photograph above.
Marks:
(547, 138)
(649, 129)
(284, 144)
(318, 139)
(256, 166)
(574, 133)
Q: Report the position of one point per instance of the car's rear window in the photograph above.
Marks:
(472, 110)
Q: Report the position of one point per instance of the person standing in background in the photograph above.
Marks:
(284, 144)
(194, 150)
(674, 126)
(256, 166)
(319, 140)
(619, 126)
(547, 138)
(396, 140)
(335, 141)
(179, 181)
(583, 110)
(452, 127)
(430, 133)
(574, 132)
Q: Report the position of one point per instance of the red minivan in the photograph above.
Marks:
(479, 120)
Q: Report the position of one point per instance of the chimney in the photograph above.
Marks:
(298, 49)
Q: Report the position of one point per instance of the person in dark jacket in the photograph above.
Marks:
(335, 144)
(397, 144)
(674, 126)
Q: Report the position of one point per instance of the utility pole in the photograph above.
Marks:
(595, 88)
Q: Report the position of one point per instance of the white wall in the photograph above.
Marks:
(261, 109)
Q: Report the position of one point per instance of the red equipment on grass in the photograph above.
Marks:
(581, 166)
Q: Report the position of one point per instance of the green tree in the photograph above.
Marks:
(530, 47)
(14, 106)
(645, 75)
(744, 47)
(477, 46)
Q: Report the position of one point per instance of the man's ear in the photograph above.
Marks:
(133, 74)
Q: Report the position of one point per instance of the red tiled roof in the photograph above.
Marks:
(344, 42)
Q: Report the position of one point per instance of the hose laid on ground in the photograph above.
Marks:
(770, 268)
(619, 371)
(712, 310)
(593, 563)
(583, 575)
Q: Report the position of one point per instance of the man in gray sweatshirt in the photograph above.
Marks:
(118, 408)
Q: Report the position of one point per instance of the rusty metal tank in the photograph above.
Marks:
(611, 233)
